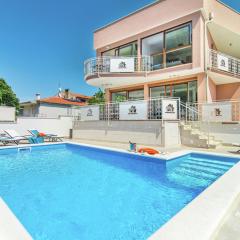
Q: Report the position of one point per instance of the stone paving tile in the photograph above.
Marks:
(230, 229)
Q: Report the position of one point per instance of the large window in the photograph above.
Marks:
(178, 37)
(111, 52)
(136, 95)
(153, 46)
(192, 91)
(169, 48)
(157, 92)
(127, 95)
(119, 96)
(124, 51)
(178, 45)
(180, 91)
(178, 57)
(187, 92)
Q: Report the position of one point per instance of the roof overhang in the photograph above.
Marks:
(226, 41)
(25, 104)
(219, 78)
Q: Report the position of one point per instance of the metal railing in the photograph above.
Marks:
(152, 109)
(222, 62)
(218, 111)
(102, 65)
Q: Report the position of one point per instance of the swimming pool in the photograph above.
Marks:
(68, 191)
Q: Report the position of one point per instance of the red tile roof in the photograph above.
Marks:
(59, 100)
(80, 95)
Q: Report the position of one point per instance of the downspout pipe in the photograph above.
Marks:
(206, 53)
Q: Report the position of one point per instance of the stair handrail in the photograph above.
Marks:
(187, 107)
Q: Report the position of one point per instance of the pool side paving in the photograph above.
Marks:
(10, 226)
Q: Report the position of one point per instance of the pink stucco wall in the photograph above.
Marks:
(197, 36)
(212, 90)
(201, 88)
(228, 91)
(155, 15)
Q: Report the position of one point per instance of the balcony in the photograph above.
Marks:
(119, 71)
(224, 64)
(113, 65)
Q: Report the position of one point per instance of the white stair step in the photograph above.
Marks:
(218, 163)
(204, 169)
(195, 174)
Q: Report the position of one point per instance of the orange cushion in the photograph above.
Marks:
(42, 134)
(150, 151)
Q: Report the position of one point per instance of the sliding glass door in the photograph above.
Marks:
(187, 92)
(180, 91)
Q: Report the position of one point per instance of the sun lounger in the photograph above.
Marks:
(50, 137)
(6, 140)
(14, 137)
(237, 145)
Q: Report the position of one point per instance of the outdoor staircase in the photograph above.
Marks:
(192, 136)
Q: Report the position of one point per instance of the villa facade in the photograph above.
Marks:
(191, 52)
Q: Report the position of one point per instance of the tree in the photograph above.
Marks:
(98, 97)
(7, 96)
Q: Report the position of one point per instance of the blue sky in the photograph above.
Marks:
(45, 42)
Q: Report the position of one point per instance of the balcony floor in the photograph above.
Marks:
(121, 80)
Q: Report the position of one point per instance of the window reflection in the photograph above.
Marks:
(153, 46)
(178, 57)
(136, 95)
(187, 92)
(178, 38)
(176, 49)
(157, 92)
(125, 51)
(119, 96)
(128, 95)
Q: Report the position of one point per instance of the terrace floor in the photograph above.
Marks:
(230, 230)
(125, 146)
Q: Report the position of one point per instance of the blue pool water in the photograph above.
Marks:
(67, 192)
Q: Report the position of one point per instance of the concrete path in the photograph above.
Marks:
(220, 149)
(230, 229)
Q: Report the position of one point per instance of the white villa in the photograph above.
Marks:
(65, 103)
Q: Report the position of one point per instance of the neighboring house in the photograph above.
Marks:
(65, 103)
(176, 48)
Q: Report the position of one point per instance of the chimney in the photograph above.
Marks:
(38, 96)
(67, 93)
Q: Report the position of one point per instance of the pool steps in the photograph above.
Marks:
(202, 168)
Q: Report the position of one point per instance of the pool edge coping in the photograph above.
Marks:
(9, 222)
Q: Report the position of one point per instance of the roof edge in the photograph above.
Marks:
(128, 15)
(229, 7)
(150, 5)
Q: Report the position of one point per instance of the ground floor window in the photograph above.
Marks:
(136, 95)
(180, 91)
(187, 92)
(127, 95)
(119, 96)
